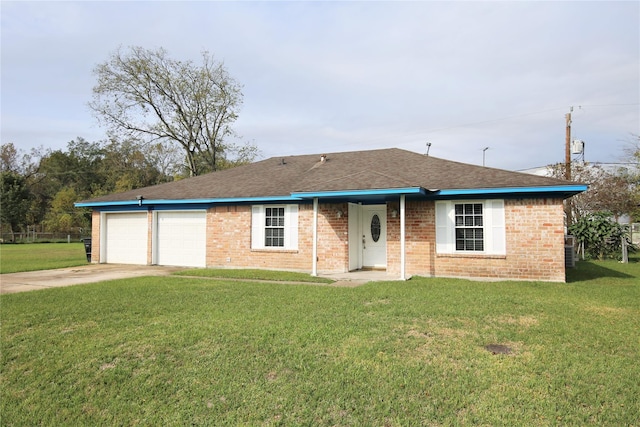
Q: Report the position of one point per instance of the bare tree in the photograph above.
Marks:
(632, 156)
(13, 159)
(145, 95)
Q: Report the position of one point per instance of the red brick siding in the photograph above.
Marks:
(534, 246)
(229, 242)
(333, 237)
(534, 242)
(95, 236)
(419, 238)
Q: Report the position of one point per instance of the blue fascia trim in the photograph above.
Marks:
(359, 193)
(151, 202)
(565, 189)
(301, 196)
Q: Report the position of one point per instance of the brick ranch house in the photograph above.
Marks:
(389, 209)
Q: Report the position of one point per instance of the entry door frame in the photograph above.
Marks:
(360, 235)
(355, 233)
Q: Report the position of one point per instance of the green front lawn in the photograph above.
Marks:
(253, 274)
(40, 256)
(178, 350)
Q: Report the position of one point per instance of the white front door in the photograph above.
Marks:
(374, 236)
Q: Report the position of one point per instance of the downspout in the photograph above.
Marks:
(402, 238)
(314, 268)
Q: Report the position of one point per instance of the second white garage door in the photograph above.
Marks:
(182, 238)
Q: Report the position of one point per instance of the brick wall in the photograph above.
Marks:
(535, 238)
(95, 236)
(534, 243)
(420, 235)
(229, 240)
(333, 237)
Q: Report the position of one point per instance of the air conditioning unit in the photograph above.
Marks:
(569, 252)
(635, 233)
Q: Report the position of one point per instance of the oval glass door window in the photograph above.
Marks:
(375, 228)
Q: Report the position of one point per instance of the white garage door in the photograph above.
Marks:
(182, 238)
(126, 238)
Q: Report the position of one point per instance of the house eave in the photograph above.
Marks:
(361, 195)
(564, 191)
(369, 195)
(185, 202)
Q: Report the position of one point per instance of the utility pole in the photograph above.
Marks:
(567, 155)
(567, 164)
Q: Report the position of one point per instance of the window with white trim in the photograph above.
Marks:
(474, 227)
(469, 227)
(274, 227)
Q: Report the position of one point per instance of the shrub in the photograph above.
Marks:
(601, 235)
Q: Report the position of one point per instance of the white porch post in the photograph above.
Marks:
(402, 238)
(314, 268)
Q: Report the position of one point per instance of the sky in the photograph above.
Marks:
(322, 77)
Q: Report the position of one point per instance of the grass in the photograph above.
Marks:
(33, 257)
(253, 274)
(178, 350)
(40, 256)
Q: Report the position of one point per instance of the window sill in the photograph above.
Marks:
(277, 250)
(470, 255)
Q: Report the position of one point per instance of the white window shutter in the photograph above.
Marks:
(444, 228)
(291, 224)
(495, 227)
(257, 227)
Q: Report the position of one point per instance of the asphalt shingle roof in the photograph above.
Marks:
(356, 170)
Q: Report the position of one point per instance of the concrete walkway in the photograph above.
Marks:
(360, 277)
(43, 279)
(33, 280)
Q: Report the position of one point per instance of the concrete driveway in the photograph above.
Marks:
(32, 280)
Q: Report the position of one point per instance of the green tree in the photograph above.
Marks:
(25, 165)
(63, 216)
(145, 95)
(127, 165)
(78, 167)
(54, 180)
(15, 200)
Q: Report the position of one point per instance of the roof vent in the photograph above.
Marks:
(323, 158)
